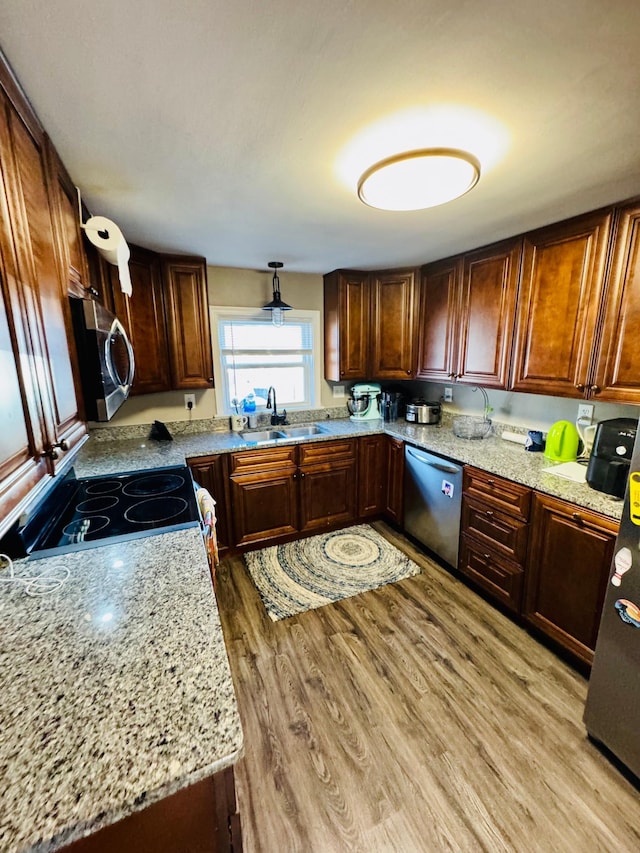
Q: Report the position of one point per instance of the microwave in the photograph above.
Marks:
(105, 358)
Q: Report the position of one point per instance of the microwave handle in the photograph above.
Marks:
(117, 327)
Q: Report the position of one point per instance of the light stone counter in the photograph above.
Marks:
(116, 689)
(491, 454)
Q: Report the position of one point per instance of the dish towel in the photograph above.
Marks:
(207, 507)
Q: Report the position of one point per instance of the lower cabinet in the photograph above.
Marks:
(281, 491)
(203, 817)
(567, 571)
(327, 483)
(394, 509)
(494, 534)
(372, 475)
(211, 473)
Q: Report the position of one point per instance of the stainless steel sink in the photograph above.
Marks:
(262, 435)
(302, 431)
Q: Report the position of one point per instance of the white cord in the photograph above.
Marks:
(34, 585)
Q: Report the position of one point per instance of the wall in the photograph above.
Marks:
(235, 287)
(252, 288)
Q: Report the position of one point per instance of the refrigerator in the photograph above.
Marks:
(612, 712)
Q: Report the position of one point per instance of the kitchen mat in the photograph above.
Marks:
(310, 573)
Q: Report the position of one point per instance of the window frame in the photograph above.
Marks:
(249, 314)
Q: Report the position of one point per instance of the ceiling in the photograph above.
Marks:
(237, 130)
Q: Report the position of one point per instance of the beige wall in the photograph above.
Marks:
(230, 287)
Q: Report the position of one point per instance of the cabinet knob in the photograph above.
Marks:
(451, 375)
(576, 517)
(408, 373)
(489, 513)
(210, 380)
(50, 453)
(595, 389)
(491, 482)
(63, 445)
(487, 557)
(579, 386)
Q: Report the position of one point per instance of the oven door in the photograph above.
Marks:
(107, 363)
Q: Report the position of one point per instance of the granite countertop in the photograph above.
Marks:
(116, 688)
(491, 454)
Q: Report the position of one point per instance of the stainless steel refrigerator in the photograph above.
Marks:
(612, 713)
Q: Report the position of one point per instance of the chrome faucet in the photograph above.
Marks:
(275, 417)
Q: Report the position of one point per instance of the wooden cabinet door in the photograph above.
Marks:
(188, 327)
(346, 325)
(211, 473)
(327, 494)
(372, 475)
(567, 570)
(143, 316)
(393, 316)
(67, 220)
(617, 373)
(264, 505)
(560, 290)
(487, 309)
(395, 480)
(43, 300)
(438, 325)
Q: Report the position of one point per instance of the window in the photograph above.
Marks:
(252, 354)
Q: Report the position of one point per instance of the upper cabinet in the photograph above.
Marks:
(370, 321)
(167, 320)
(466, 316)
(188, 328)
(393, 324)
(561, 287)
(41, 424)
(617, 365)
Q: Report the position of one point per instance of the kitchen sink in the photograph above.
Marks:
(302, 431)
(262, 435)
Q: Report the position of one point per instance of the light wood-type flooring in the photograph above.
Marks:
(413, 718)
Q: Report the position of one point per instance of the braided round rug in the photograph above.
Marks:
(310, 573)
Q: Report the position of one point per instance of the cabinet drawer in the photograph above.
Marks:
(495, 529)
(269, 459)
(505, 495)
(495, 574)
(327, 451)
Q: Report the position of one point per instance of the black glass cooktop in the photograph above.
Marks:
(84, 513)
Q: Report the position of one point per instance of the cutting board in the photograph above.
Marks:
(568, 471)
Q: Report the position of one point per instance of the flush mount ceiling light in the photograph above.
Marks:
(276, 306)
(418, 179)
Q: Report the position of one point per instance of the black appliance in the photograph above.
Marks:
(391, 405)
(106, 358)
(610, 458)
(78, 514)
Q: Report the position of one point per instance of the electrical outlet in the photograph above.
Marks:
(448, 395)
(338, 391)
(585, 412)
(189, 401)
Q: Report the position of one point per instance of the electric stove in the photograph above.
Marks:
(85, 513)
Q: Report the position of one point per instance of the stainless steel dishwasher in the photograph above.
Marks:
(433, 501)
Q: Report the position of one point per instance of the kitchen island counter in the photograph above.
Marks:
(116, 688)
(492, 454)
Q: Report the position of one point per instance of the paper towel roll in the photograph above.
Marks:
(109, 241)
(515, 437)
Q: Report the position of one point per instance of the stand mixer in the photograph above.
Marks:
(364, 402)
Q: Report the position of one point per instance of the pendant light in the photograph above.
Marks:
(276, 306)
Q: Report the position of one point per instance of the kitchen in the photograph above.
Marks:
(304, 289)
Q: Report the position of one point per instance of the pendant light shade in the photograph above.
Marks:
(419, 179)
(276, 306)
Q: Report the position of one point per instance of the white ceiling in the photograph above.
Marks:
(219, 128)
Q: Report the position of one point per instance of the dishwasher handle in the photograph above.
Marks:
(446, 469)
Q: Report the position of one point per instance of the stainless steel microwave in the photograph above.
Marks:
(106, 358)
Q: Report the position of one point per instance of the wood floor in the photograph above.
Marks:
(413, 718)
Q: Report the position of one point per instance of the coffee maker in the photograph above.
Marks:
(610, 458)
(364, 402)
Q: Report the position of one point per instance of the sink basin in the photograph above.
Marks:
(262, 435)
(301, 431)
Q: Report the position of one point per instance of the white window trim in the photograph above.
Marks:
(218, 311)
